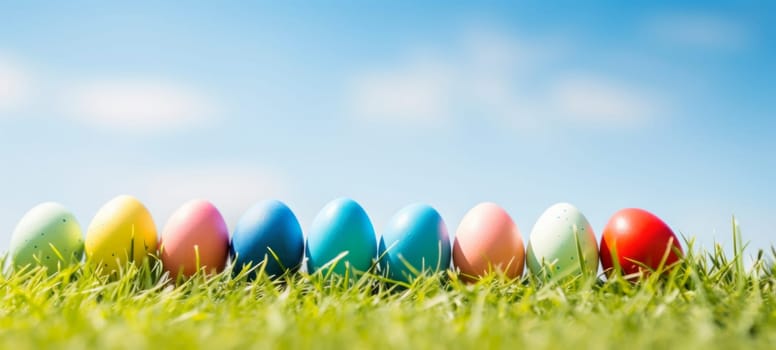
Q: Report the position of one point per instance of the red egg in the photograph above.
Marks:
(639, 238)
(195, 237)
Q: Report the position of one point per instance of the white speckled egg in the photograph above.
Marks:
(557, 239)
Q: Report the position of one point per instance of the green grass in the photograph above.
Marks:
(708, 301)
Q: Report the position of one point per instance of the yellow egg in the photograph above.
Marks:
(121, 232)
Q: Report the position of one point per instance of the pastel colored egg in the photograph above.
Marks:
(48, 235)
(639, 238)
(268, 233)
(559, 236)
(121, 232)
(341, 230)
(194, 238)
(487, 239)
(414, 241)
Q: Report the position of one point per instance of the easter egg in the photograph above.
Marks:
(268, 233)
(195, 237)
(559, 236)
(48, 235)
(638, 237)
(487, 239)
(121, 232)
(415, 240)
(341, 230)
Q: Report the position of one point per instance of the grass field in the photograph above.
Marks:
(709, 301)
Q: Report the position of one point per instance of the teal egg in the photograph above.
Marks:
(48, 235)
(415, 240)
(342, 229)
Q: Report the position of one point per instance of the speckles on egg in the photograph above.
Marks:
(553, 243)
(123, 226)
(44, 228)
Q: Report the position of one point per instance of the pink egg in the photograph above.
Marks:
(195, 229)
(486, 239)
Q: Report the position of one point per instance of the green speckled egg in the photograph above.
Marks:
(48, 235)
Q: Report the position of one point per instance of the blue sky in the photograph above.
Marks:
(668, 107)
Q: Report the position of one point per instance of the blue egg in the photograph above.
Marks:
(415, 241)
(268, 231)
(342, 226)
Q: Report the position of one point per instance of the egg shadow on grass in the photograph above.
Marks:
(330, 278)
(250, 272)
(411, 277)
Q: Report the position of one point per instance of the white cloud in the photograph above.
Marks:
(14, 85)
(507, 80)
(233, 188)
(138, 105)
(699, 30)
(597, 100)
(417, 92)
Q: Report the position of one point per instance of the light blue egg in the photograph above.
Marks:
(268, 231)
(342, 227)
(415, 240)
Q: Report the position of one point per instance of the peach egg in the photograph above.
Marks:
(486, 240)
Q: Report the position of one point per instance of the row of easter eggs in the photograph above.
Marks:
(342, 237)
